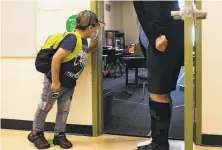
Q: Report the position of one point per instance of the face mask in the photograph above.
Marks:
(94, 35)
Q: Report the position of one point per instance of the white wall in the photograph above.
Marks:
(22, 84)
(122, 17)
(0, 61)
(10, 24)
(113, 18)
(109, 15)
(212, 68)
(129, 22)
(118, 15)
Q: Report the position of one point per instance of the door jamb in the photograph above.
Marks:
(97, 78)
(198, 95)
(97, 104)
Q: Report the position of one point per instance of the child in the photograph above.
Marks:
(66, 65)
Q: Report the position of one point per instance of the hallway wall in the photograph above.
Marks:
(23, 35)
(212, 68)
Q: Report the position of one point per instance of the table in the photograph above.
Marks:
(133, 62)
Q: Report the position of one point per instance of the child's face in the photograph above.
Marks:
(92, 32)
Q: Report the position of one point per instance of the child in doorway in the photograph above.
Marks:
(60, 81)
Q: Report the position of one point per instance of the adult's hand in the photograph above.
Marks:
(161, 43)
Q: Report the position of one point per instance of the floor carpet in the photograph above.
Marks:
(130, 114)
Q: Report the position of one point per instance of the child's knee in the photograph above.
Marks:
(65, 107)
(46, 106)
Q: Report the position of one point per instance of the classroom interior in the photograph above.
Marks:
(125, 77)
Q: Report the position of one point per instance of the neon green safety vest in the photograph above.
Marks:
(55, 40)
(51, 45)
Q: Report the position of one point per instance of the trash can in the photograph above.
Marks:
(107, 105)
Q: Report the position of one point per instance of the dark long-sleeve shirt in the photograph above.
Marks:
(155, 19)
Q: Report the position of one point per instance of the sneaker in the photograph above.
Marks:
(144, 146)
(38, 139)
(62, 141)
(150, 146)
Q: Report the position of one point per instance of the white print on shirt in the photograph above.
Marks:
(78, 64)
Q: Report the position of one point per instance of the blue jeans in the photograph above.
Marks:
(47, 103)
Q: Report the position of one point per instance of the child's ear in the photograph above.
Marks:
(90, 27)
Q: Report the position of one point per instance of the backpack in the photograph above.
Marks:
(44, 57)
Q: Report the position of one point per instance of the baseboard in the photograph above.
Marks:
(207, 139)
(27, 125)
(212, 140)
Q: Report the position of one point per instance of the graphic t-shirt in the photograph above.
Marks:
(71, 70)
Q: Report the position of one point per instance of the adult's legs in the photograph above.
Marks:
(162, 79)
(160, 112)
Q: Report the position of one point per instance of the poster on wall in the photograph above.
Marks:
(71, 23)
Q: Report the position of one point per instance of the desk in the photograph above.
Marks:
(133, 62)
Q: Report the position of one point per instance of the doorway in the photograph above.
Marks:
(125, 99)
(124, 72)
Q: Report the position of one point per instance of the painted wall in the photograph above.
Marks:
(21, 83)
(212, 68)
(109, 16)
(122, 17)
(129, 22)
(0, 61)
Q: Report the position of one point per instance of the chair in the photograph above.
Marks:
(136, 60)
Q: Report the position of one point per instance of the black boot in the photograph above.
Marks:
(160, 124)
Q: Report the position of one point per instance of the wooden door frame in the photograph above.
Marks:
(97, 80)
(97, 77)
(198, 95)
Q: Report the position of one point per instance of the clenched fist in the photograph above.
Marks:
(161, 43)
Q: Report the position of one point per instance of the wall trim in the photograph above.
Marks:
(27, 125)
(207, 139)
(212, 140)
